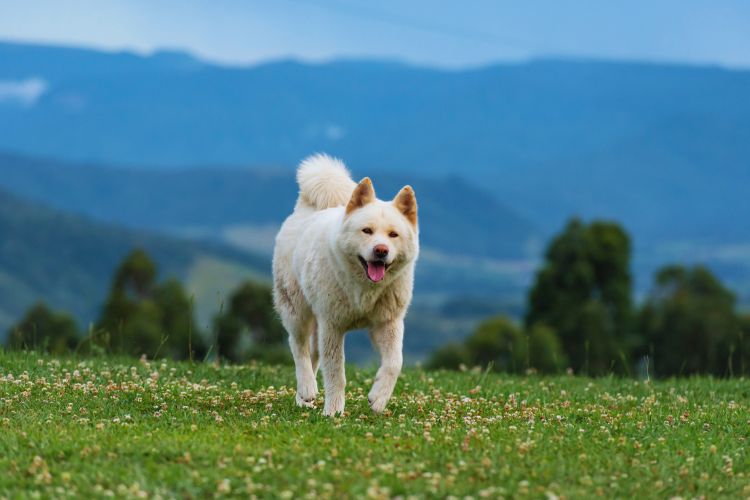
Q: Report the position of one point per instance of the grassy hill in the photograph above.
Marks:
(68, 261)
(103, 427)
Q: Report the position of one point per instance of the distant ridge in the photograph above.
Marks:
(68, 260)
(456, 217)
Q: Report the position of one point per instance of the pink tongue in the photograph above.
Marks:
(375, 271)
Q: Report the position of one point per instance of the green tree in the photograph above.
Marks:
(250, 328)
(449, 357)
(499, 341)
(142, 316)
(229, 334)
(545, 352)
(741, 346)
(132, 286)
(43, 329)
(252, 303)
(689, 322)
(583, 292)
(176, 316)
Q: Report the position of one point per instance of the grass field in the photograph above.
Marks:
(103, 427)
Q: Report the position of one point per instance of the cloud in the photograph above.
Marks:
(331, 132)
(25, 92)
(334, 132)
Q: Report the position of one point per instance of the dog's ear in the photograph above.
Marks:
(363, 194)
(406, 203)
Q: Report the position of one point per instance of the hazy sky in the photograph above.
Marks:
(456, 33)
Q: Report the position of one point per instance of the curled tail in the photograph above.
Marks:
(324, 182)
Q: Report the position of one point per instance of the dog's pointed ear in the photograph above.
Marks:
(363, 194)
(406, 203)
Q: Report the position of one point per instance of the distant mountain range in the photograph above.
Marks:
(664, 149)
(244, 206)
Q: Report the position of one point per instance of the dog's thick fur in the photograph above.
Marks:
(344, 260)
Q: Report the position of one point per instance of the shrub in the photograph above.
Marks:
(545, 351)
(500, 342)
(45, 330)
(690, 323)
(449, 357)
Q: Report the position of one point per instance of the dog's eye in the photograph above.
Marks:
(393, 234)
(367, 230)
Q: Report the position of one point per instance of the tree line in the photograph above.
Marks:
(581, 316)
(144, 316)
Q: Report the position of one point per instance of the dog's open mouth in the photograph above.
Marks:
(374, 269)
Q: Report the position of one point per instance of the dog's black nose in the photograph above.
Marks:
(380, 251)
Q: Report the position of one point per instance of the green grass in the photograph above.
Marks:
(123, 427)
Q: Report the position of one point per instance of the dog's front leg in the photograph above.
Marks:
(331, 347)
(388, 338)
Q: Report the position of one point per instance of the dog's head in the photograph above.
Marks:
(381, 236)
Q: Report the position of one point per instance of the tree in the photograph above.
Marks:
(176, 316)
(141, 316)
(449, 357)
(502, 344)
(741, 346)
(498, 341)
(43, 329)
(689, 322)
(583, 292)
(125, 309)
(250, 326)
(252, 304)
(545, 352)
(136, 275)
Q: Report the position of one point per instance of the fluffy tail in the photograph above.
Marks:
(324, 182)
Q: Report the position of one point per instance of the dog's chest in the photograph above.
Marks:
(363, 303)
(366, 308)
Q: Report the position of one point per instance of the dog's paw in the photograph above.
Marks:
(334, 405)
(305, 403)
(378, 397)
(307, 391)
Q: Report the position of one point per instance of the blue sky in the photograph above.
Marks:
(449, 34)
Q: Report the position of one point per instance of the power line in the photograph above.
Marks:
(366, 12)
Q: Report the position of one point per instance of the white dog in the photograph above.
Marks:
(344, 260)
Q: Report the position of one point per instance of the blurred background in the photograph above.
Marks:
(582, 171)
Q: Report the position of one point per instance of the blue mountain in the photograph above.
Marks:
(665, 149)
(457, 219)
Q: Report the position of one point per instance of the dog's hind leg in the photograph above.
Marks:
(388, 338)
(299, 322)
(300, 333)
